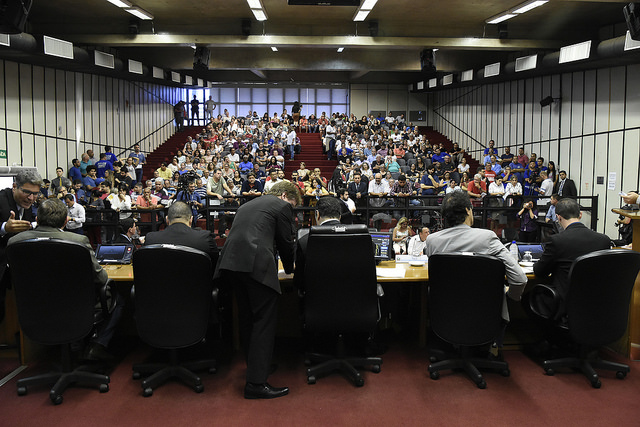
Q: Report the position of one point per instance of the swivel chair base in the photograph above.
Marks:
(162, 372)
(64, 378)
(471, 366)
(346, 365)
(587, 365)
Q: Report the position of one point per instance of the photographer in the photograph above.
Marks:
(528, 225)
(189, 196)
(530, 179)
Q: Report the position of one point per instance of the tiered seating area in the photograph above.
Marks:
(311, 155)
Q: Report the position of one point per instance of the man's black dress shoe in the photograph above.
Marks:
(264, 391)
(97, 353)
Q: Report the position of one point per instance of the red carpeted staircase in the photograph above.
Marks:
(166, 151)
(436, 138)
(311, 155)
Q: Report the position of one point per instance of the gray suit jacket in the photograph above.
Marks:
(463, 238)
(100, 276)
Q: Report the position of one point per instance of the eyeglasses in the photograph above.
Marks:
(29, 193)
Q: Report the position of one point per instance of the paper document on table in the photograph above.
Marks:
(395, 273)
(527, 270)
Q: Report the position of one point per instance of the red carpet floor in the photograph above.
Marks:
(402, 394)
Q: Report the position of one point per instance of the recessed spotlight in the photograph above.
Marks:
(273, 48)
(340, 49)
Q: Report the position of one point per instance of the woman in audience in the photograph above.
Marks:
(420, 165)
(303, 171)
(175, 179)
(237, 179)
(463, 166)
(273, 164)
(528, 225)
(552, 173)
(366, 171)
(181, 157)
(392, 165)
(316, 188)
(401, 234)
(413, 173)
(121, 202)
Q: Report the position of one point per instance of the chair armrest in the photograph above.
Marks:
(106, 293)
(214, 299)
(539, 293)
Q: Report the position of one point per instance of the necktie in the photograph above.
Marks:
(561, 186)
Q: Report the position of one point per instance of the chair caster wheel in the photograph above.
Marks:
(147, 392)
(434, 375)
(596, 384)
(359, 382)
(482, 384)
(549, 372)
(213, 370)
(311, 379)
(621, 375)
(22, 391)
(199, 388)
(136, 375)
(375, 369)
(104, 388)
(505, 372)
(56, 399)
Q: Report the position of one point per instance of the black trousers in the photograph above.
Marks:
(258, 315)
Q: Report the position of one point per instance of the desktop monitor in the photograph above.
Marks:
(383, 242)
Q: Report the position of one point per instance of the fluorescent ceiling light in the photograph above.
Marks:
(361, 15)
(140, 13)
(254, 4)
(368, 4)
(500, 18)
(527, 6)
(259, 14)
(120, 3)
(575, 52)
(273, 48)
(340, 49)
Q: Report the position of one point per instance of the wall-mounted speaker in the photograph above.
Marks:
(201, 58)
(373, 28)
(428, 61)
(503, 32)
(246, 27)
(631, 12)
(13, 15)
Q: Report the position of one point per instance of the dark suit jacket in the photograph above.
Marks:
(563, 249)
(363, 188)
(569, 189)
(180, 234)
(261, 226)
(8, 204)
(301, 250)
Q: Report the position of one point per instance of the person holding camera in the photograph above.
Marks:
(192, 199)
(528, 225)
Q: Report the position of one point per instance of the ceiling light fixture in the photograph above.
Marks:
(361, 15)
(500, 18)
(527, 6)
(368, 4)
(363, 10)
(254, 4)
(273, 48)
(120, 3)
(140, 13)
(259, 14)
(340, 49)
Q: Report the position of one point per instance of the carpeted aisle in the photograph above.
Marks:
(402, 394)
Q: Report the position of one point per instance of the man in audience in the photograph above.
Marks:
(75, 172)
(76, 216)
(120, 176)
(16, 216)
(261, 226)
(273, 180)
(103, 165)
(477, 188)
(59, 181)
(378, 188)
(460, 237)
(545, 190)
(560, 252)
(358, 190)
(84, 163)
(191, 198)
(139, 160)
(348, 208)
(163, 171)
(507, 157)
(52, 218)
(129, 233)
(251, 187)
(111, 158)
(418, 242)
(565, 187)
(179, 232)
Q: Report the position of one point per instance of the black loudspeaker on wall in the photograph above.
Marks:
(428, 61)
(201, 58)
(13, 15)
(631, 16)
(373, 28)
(245, 27)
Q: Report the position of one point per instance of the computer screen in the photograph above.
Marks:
(383, 242)
(114, 254)
(536, 251)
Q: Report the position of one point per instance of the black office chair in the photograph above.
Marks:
(173, 292)
(56, 307)
(340, 296)
(466, 312)
(597, 306)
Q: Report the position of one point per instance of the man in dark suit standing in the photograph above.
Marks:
(327, 213)
(358, 190)
(16, 216)
(248, 263)
(179, 232)
(560, 252)
(565, 186)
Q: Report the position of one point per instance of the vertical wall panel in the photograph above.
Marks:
(577, 103)
(3, 106)
(70, 102)
(38, 101)
(617, 97)
(61, 108)
(602, 99)
(630, 179)
(12, 96)
(587, 167)
(589, 122)
(612, 199)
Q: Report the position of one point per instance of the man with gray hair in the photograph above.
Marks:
(16, 216)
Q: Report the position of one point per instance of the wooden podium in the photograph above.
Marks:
(632, 344)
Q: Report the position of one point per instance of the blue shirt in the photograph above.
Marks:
(141, 158)
(74, 173)
(111, 157)
(102, 166)
(245, 166)
(87, 181)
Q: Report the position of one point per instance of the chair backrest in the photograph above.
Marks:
(401, 162)
(340, 280)
(466, 310)
(55, 304)
(173, 286)
(600, 286)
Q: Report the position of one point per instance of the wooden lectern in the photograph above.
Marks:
(632, 344)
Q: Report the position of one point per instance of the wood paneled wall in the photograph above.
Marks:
(592, 131)
(50, 117)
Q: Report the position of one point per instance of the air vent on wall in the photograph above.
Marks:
(492, 70)
(575, 52)
(57, 47)
(526, 63)
(447, 80)
(135, 67)
(104, 59)
(188, 80)
(175, 77)
(467, 76)
(433, 82)
(4, 40)
(158, 73)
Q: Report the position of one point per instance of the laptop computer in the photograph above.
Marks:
(536, 251)
(114, 254)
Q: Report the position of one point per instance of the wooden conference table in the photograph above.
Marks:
(419, 275)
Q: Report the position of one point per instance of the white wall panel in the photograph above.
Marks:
(13, 149)
(566, 104)
(612, 198)
(618, 83)
(3, 145)
(26, 98)
(633, 96)
(602, 99)
(12, 95)
(2, 99)
(70, 107)
(38, 101)
(630, 179)
(61, 109)
(589, 122)
(577, 103)
(600, 170)
(41, 154)
(587, 174)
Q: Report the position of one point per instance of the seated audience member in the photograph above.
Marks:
(91, 181)
(460, 237)
(418, 242)
(191, 198)
(128, 232)
(120, 202)
(80, 193)
(76, 216)
(251, 187)
(477, 188)
(560, 252)
(401, 234)
(528, 226)
(52, 219)
(179, 232)
(348, 207)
